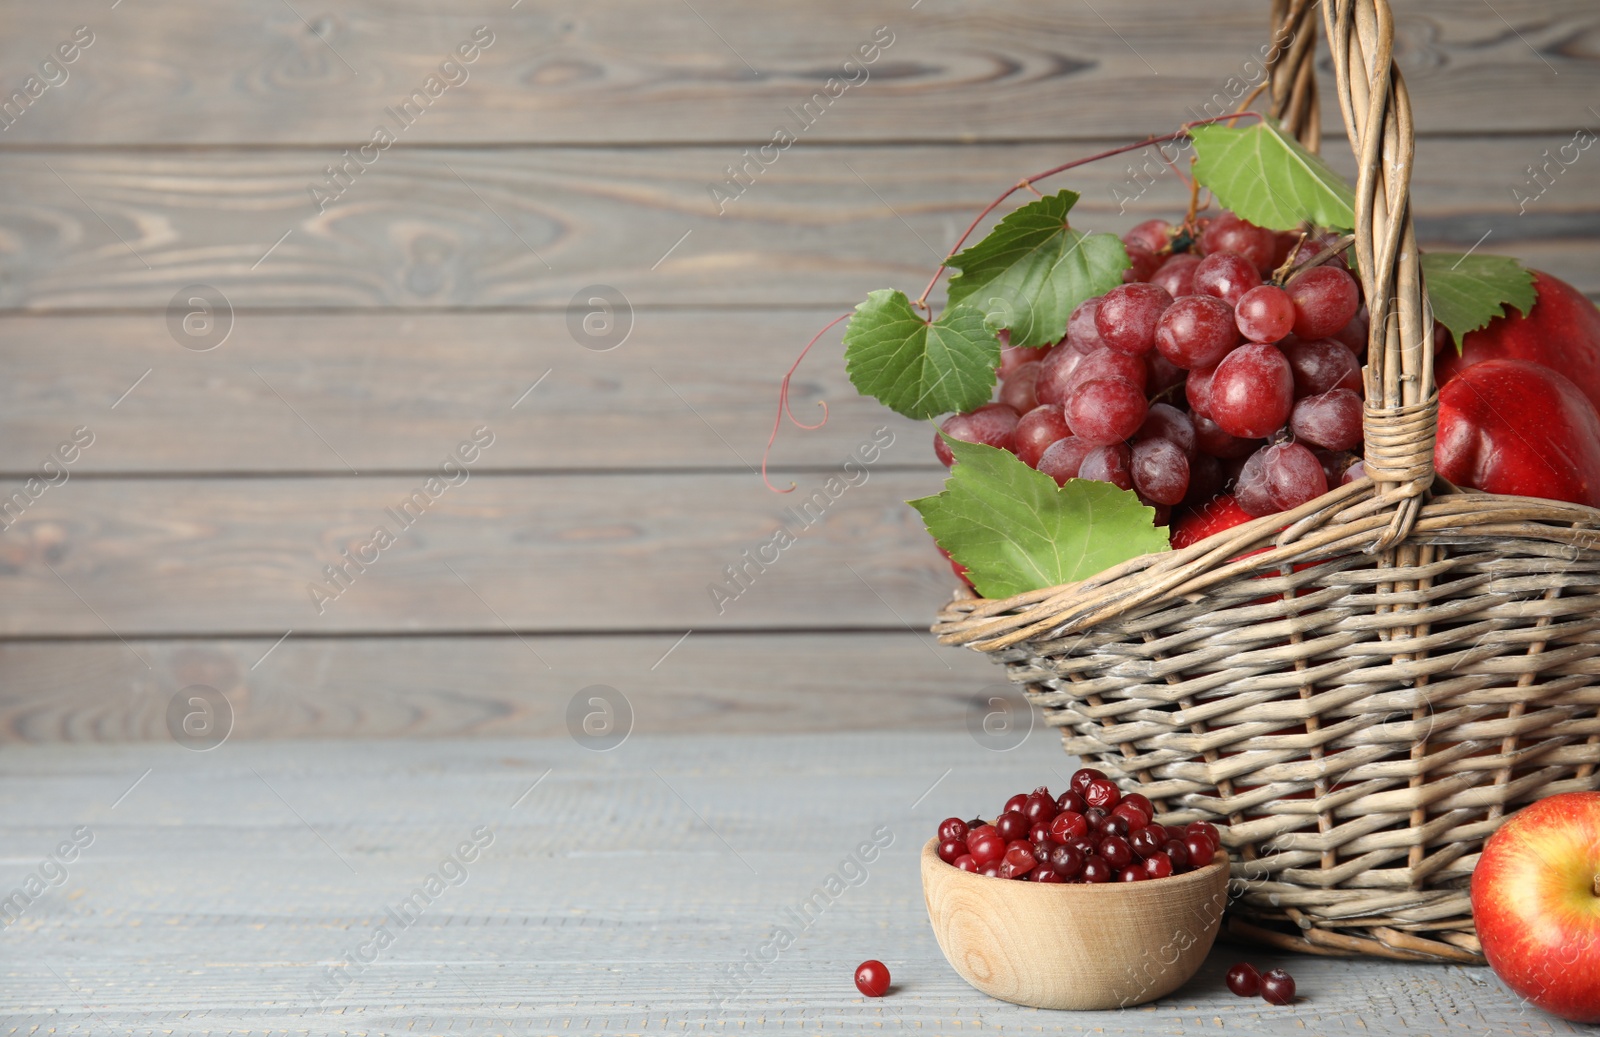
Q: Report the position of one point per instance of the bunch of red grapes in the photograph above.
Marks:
(1091, 833)
(1200, 375)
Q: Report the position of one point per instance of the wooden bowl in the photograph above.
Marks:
(1109, 945)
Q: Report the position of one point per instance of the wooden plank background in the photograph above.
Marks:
(368, 339)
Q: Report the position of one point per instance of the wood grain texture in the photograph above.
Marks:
(492, 686)
(617, 895)
(259, 71)
(627, 552)
(522, 227)
(688, 389)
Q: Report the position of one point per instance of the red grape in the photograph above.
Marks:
(1294, 475)
(1225, 275)
(1354, 335)
(1250, 490)
(1107, 363)
(872, 978)
(1277, 987)
(1017, 389)
(1205, 480)
(1163, 375)
(1228, 233)
(1196, 331)
(1168, 422)
(992, 424)
(1197, 390)
(1141, 263)
(1331, 420)
(1105, 410)
(1108, 464)
(1055, 374)
(1208, 437)
(1252, 391)
(1244, 980)
(1154, 235)
(1128, 314)
(1325, 298)
(1160, 471)
(1063, 458)
(1321, 364)
(1037, 429)
(1357, 470)
(1265, 313)
(1081, 333)
(1013, 357)
(1177, 275)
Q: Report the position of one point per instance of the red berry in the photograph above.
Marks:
(1331, 420)
(1277, 986)
(1082, 777)
(951, 849)
(1200, 850)
(1038, 831)
(1040, 806)
(1069, 824)
(1067, 861)
(1011, 825)
(1096, 869)
(1103, 793)
(1140, 802)
(1113, 824)
(1177, 852)
(1043, 874)
(1116, 851)
(872, 978)
(1244, 980)
(986, 847)
(1168, 422)
(1205, 828)
(1147, 841)
(990, 870)
(1132, 873)
(1131, 816)
(1158, 866)
(967, 862)
(1160, 471)
(1016, 803)
(1321, 364)
(953, 828)
(1103, 411)
(1070, 800)
(1020, 859)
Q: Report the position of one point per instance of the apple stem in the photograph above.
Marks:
(1597, 883)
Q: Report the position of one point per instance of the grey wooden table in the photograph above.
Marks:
(610, 892)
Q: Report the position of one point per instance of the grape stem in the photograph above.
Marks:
(1290, 270)
(1182, 131)
(783, 406)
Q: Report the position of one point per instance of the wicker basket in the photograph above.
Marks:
(1399, 669)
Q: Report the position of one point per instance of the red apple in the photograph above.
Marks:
(1562, 333)
(1536, 901)
(1511, 426)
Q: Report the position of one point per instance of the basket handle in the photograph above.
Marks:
(1292, 70)
(1400, 422)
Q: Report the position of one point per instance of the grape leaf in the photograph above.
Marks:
(916, 368)
(1029, 273)
(1468, 291)
(1015, 530)
(1269, 179)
